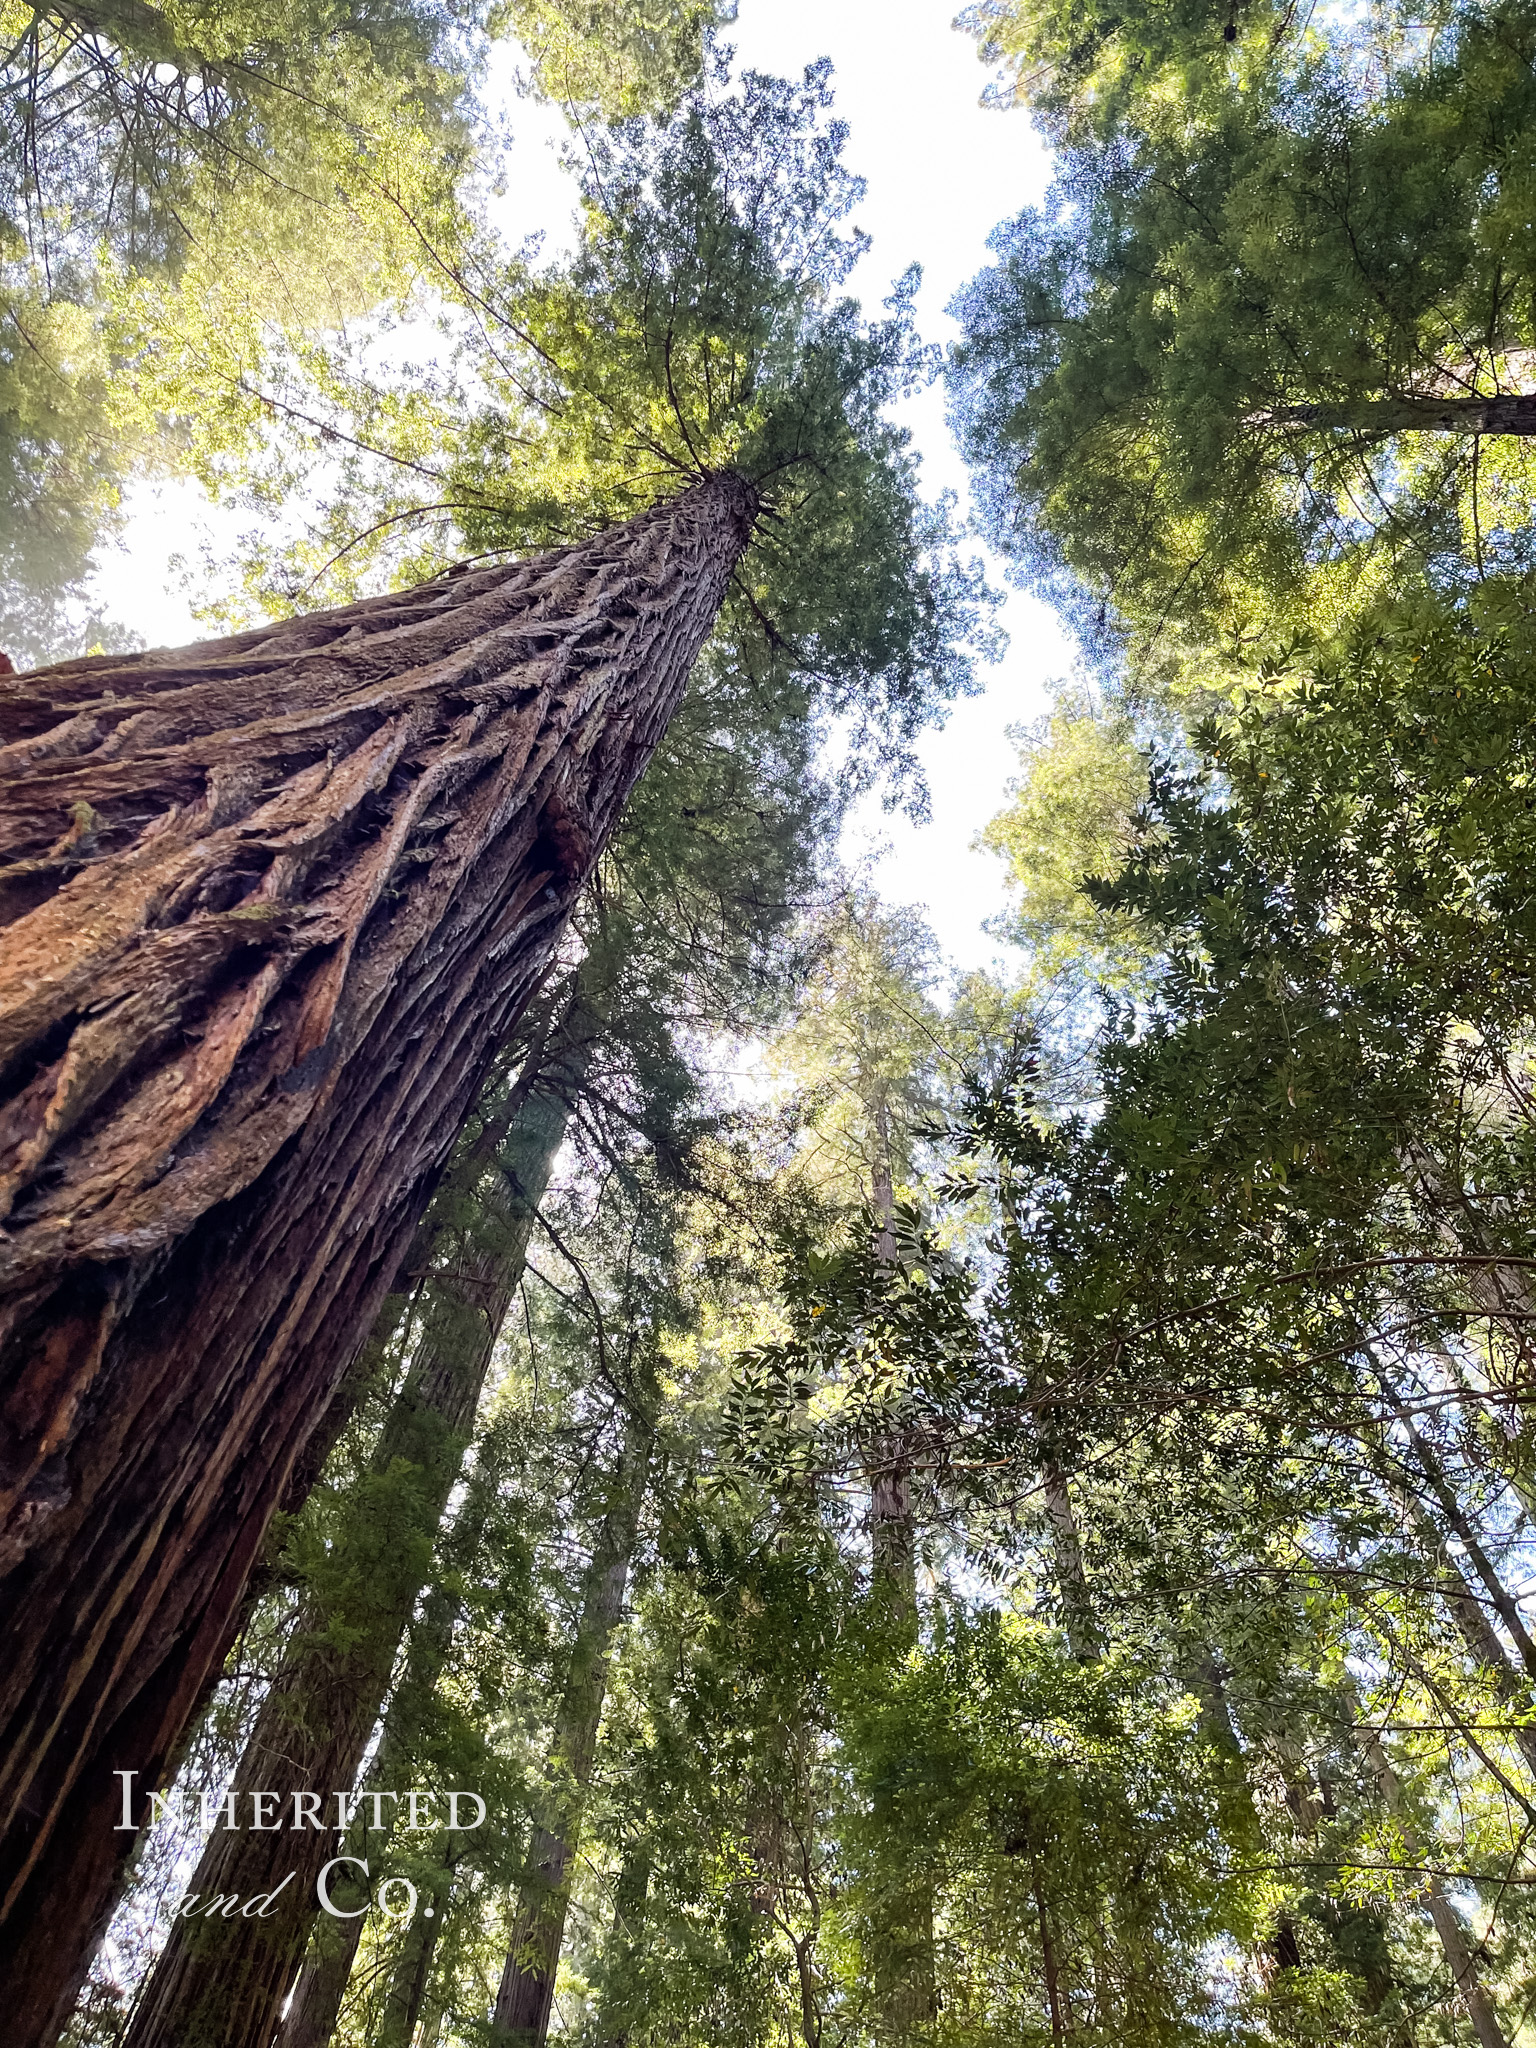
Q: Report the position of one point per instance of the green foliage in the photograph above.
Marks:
(697, 327)
(58, 473)
(609, 54)
(1072, 815)
(1199, 386)
(1351, 975)
(1179, 1297)
(198, 187)
(1070, 1822)
(860, 1051)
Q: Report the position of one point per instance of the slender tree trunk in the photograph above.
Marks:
(1461, 1526)
(1481, 1639)
(1509, 412)
(1358, 1935)
(272, 901)
(315, 2008)
(223, 1982)
(1048, 1963)
(1463, 1604)
(527, 1988)
(1071, 1575)
(1282, 1948)
(892, 1533)
(412, 1975)
(1453, 1941)
(906, 1990)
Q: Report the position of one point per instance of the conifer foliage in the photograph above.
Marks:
(922, 1514)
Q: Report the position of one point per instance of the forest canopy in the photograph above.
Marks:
(921, 1509)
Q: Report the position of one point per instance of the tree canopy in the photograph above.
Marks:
(933, 1511)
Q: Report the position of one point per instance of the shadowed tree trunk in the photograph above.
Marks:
(315, 2010)
(1507, 412)
(219, 1984)
(521, 2018)
(271, 903)
(905, 1987)
(1480, 2009)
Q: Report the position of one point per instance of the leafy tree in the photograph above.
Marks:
(1264, 350)
(198, 181)
(1071, 814)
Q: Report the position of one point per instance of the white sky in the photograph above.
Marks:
(941, 173)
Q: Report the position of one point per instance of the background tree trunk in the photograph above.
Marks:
(1480, 2009)
(1508, 412)
(271, 903)
(533, 1955)
(320, 1992)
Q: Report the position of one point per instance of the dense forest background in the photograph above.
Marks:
(925, 1509)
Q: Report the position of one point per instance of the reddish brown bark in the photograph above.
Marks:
(271, 901)
(222, 1983)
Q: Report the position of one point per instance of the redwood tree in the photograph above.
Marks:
(224, 1982)
(261, 943)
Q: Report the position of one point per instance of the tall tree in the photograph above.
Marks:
(734, 209)
(350, 900)
(524, 1997)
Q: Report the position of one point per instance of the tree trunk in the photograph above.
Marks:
(224, 1983)
(1480, 1637)
(905, 1990)
(1453, 1941)
(905, 1987)
(624, 1933)
(1502, 1600)
(1071, 1575)
(1508, 412)
(315, 2008)
(533, 1956)
(272, 901)
(412, 1975)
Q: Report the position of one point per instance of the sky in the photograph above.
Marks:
(941, 172)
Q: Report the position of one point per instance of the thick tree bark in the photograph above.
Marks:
(1509, 412)
(219, 1984)
(272, 901)
(523, 2002)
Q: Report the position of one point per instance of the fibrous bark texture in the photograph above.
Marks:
(219, 1984)
(270, 903)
